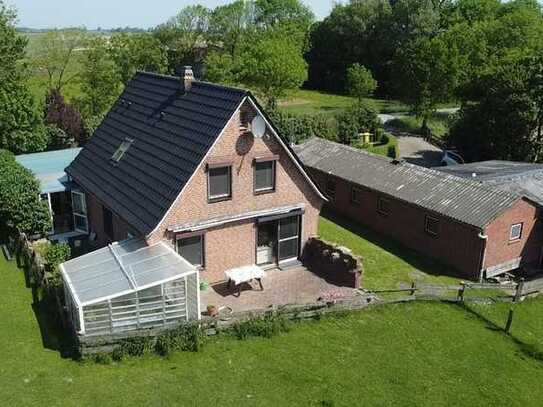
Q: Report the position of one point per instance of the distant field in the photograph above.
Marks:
(313, 102)
(439, 124)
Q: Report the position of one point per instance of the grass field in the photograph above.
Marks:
(313, 102)
(386, 264)
(423, 354)
(438, 124)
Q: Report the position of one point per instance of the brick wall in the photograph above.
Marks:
(457, 245)
(234, 245)
(95, 216)
(500, 249)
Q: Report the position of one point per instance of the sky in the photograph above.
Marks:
(116, 13)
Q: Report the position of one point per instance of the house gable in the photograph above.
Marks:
(233, 147)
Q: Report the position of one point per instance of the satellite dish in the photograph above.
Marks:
(258, 126)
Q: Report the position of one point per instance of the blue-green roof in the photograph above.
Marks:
(48, 167)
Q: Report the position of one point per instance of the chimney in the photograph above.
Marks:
(187, 77)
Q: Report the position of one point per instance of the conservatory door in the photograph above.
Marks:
(79, 207)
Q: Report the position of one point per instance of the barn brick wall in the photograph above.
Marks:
(457, 245)
(234, 245)
(500, 249)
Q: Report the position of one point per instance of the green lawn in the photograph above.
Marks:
(386, 264)
(313, 102)
(424, 354)
(438, 124)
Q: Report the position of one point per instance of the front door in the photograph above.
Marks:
(289, 238)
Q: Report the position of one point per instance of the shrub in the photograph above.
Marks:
(359, 118)
(267, 327)
(102, 358)
(54, 255)
(20, 203)
(299, 127)
(188, 338)
(136, 346)
(66, 117)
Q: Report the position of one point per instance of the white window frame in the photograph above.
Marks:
(222, 197)
(265, 189)
(517, 236)
(80, 214)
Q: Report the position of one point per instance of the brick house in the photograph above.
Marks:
(476, 229)
(201, 167)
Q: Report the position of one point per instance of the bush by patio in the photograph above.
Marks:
(20, 205)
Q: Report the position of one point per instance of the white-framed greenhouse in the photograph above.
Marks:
(129, 286)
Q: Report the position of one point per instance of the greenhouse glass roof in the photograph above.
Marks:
(122, 268)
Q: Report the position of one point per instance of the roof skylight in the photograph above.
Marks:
(123, 148)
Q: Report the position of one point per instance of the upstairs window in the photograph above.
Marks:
(123, 148)
(264, 176)
(219, 183)
(516, 232)
(383, 206)
(431, 226)
(331, 188)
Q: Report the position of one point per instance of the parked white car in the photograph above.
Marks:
(451, 158)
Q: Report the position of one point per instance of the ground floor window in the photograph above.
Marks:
(289, 237)
(192, 249)
(356, 195)
(383, 206)
(79, 207)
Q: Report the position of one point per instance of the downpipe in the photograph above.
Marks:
(484, 238)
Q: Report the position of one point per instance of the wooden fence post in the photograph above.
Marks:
(413, 288)
(461, 292)
(509, 321)
(520, 289)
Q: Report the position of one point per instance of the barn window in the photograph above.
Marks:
(431, 226)
(383, 206)
(355, 195)
(331, 188)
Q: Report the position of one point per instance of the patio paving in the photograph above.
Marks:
(281, 287)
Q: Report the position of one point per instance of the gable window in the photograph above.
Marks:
(107, 220)
(79, 210)
(192, 249)
(383, 206)
(431, 225)
(356, 194)
(516, 232)
(264, 177)
(219, 183)
(123, 148)
(331, 188)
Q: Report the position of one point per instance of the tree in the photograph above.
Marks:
(132, 52)
(426, 73)
(21, 126)
(273, 66)
(66, 118)
(506, 122)
(359, 118)
(221, 68)
(58, 55)
(100, 82)
(360, 82)
(229, 24)
(20, 204)
(185, 35)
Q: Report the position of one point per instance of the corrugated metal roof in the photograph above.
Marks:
(48, 167)
(461, 199)
(521, 178)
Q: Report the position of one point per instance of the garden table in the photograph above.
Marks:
(245, 274)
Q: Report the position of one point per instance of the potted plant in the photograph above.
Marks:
(212, 310)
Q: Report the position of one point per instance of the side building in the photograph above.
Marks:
(478, 230)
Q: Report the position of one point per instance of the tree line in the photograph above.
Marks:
(484, 55)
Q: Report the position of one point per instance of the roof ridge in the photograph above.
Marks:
(219, 86)
(159, 75)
